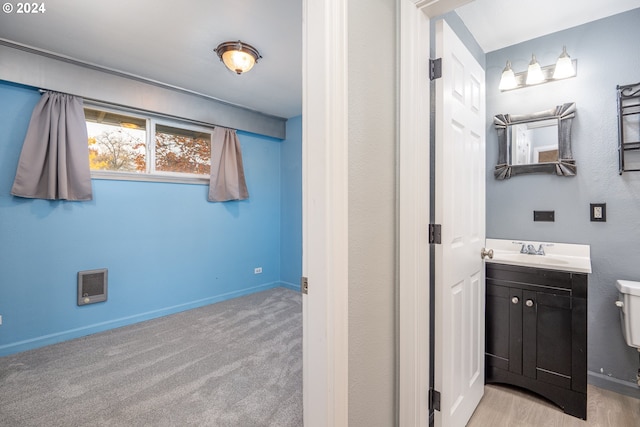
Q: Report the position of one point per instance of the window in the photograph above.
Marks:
(133, 146)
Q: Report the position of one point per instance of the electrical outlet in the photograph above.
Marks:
(257, 270)
(0, 319)
(598, 212)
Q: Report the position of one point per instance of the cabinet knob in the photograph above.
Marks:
(529, 303)
(515, 300)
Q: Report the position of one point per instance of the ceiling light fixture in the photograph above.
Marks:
(564, 68)
(237, 56)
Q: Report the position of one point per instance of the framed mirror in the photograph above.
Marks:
(535, 143)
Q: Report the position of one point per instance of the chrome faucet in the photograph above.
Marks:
(523, 249)
(540, 250)
(532, 251)
(529, 249)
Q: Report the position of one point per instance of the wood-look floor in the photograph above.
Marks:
(504, 406)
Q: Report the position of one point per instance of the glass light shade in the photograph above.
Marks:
(534, 73)
(237, 56)
(238, 61)
(564, 66)
(508, 79)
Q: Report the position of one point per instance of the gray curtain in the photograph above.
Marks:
(54, 162)
(227, 173)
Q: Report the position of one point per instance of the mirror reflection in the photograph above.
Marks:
(533, 142)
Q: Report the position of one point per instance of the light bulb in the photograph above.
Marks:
(508, 79)
(534, 73)
(564, 66)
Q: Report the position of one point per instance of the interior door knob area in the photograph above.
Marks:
(486, 253)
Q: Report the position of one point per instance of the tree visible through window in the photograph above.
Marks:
(181, 150)
(116, 142)
(142, 145)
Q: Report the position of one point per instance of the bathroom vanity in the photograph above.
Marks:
(536, 321)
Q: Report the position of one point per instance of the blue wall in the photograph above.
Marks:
(167, 249)
(607, 56)
(291, 205)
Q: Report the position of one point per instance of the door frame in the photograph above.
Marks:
(413, 215)
(413, 208)
(325, 210)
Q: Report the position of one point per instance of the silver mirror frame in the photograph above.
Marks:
(565, 166)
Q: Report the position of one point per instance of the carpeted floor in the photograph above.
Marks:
(235, 363)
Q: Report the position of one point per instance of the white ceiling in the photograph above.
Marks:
(173, 42)
(499, 23)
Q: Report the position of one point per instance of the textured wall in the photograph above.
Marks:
(166, 247)
(607, 55)
(463, 33)
(291, 204)
(372, 132)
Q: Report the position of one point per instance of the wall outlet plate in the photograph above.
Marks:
(598, 212)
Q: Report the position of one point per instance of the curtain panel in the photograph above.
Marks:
(54, 162)
(227, 172)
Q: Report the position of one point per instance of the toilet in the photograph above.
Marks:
(629, 303)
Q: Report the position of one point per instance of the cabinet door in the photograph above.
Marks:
(547, 337)
(503, 335)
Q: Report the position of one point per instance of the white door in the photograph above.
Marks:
(460, 208)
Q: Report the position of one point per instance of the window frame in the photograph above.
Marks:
(151, 120)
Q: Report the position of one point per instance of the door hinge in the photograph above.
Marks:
(434, 399)
(304, 285)
(435, 68)
(435, 234)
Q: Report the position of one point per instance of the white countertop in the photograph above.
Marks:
(558, 256)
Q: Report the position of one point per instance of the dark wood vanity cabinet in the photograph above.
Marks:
(536, 333)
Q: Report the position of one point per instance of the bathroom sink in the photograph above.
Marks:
(558, 256)
(529, 259)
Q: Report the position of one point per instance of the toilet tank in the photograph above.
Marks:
(629, 303)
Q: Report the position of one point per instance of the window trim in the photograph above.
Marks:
(152, 119)
(148, 177)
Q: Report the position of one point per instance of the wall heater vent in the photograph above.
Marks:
(92, 286)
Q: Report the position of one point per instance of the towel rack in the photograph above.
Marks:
(629, 127)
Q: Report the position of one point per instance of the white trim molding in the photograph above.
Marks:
(325, 213)
(413, 216)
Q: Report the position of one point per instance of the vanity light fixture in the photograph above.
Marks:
(564, 68)
(238, 56)
(534, 72)
(508, 80)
